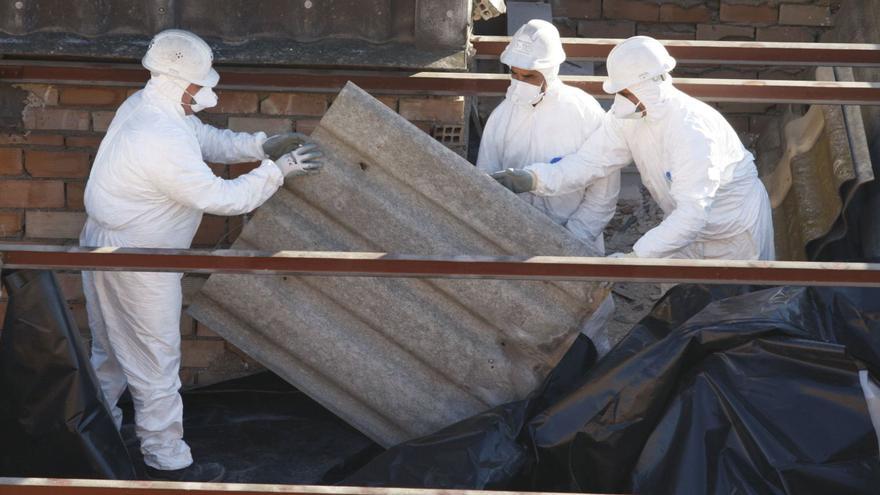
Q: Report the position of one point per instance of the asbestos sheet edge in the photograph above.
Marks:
(399, 358)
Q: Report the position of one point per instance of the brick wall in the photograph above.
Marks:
(713, 20)
(45, 164)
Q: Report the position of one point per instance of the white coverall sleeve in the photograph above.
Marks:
(695, 178)
(225, 146)
(489, 157)
(596, 209)
(604, 152)
(185, 178)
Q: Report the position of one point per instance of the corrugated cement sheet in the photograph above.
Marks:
(399, 358)
(824, 160)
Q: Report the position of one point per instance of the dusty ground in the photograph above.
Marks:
(632, 300)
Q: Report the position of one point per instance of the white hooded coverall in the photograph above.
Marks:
(695, 167)
(148, 188)
(519, 134)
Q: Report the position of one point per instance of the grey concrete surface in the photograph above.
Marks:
(399, 358)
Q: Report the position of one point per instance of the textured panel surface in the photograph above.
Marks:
(399, 358)
(824, 161)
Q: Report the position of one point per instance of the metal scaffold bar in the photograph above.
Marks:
(438, 83)
(388, 265)
(715, 52)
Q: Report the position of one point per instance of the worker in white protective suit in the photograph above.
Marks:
(148, 188)
(689, 158)
(542, 119)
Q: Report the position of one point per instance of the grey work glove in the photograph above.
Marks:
(302, 161)
(518, 181)
(281, 144)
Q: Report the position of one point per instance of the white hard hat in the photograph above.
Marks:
(634, 60)
(181, 54)
(536, 45)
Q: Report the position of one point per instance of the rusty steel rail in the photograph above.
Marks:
(49, 486)
(387, 265)
(437, 83)
(715, 52)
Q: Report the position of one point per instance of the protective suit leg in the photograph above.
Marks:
(106, 366)
(141, 315)
(596, 326)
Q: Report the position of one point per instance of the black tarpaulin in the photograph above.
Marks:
(718, 390)
(53, 418)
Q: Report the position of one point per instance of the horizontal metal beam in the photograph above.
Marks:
(48, 486)
(387, 265)
(715, 52)
(439, 83)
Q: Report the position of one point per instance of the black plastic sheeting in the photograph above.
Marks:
(718, 390)
(53, 418)
(263, 430)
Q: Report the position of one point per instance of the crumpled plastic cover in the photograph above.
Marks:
(54, 421)
(717, 390)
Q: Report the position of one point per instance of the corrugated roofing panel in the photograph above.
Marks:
(399, 358)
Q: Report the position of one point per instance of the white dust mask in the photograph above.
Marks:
(523, 93)
(204, 98)
(623, 108)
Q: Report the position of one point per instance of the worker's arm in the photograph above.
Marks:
(694, 176)
(181, 174)
(604, 152)
(225, 146)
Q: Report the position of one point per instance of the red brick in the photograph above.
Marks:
(92, 96)
(56, 163)
(53, 224)
(749, 14)
(10, 223)
(203, 331)
(804, 15)
(220, 170)
(606, 29)
(83, 141)
(81, 317)
(236, 225)
(71, 286)
(787, 34)
(726, 33)
(31, 194)
(212, 231)
(187, 325)
(567, 28)
(56, 118)
(438, 109)
(201, 353)
(32, 139)
(585, 9)
(632, 10)
(239, 169)
(294, 104)
(10, 161)
(388, 101)
(256, 124)
(101, 120)
(307, 126)
(676, 13)
(235, 102)
(75, 193)
(668, 31)
(187, 377)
